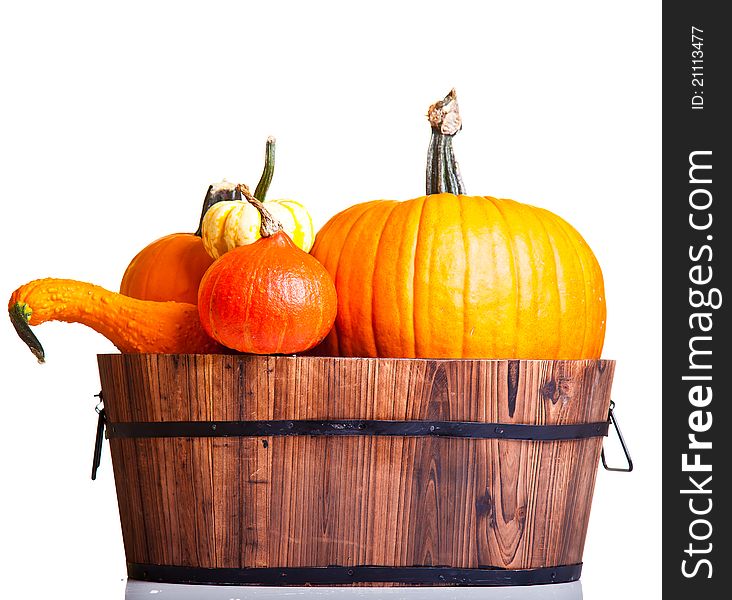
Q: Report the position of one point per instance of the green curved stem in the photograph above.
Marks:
(20, 314)
(260, 193)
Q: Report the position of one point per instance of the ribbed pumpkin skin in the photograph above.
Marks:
(233, 223)
(167, 269)
(447, 276)
(268, 297)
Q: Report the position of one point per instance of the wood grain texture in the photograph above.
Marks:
(367, 500)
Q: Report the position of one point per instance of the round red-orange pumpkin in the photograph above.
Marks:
(454, 276)
(168, 269)
(268, 297)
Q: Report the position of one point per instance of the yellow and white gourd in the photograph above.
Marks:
(227, 224)
(234, 223)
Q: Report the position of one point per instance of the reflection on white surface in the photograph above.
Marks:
(141, 590)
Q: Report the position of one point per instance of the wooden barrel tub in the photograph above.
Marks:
(277, 470)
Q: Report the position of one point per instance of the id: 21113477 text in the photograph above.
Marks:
(697, 68)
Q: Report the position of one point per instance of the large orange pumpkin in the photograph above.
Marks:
(455, 276)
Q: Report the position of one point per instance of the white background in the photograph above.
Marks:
(116, 116)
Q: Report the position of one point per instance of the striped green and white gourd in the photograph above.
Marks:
(233, 223)
(229, 224)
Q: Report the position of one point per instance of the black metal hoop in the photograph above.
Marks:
(455, 429)
(339, 575)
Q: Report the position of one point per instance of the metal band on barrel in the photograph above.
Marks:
(338, 575)
(450, 429)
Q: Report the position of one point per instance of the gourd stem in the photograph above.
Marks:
(260, 192)
(19, 317)
(269, 225)
(443, 173)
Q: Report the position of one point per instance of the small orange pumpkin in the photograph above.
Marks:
(268, 297)
(455, 276)
(171, 267)
(168, 269)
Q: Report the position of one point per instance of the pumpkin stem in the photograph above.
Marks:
(20, 314)
(269, 162)
(443, 173)
(217, 193)
(269, 225)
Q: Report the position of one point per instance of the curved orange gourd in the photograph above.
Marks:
(130, 324)
(455, 276)
(268, 297)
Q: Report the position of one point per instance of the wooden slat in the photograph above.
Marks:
(318, 501)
